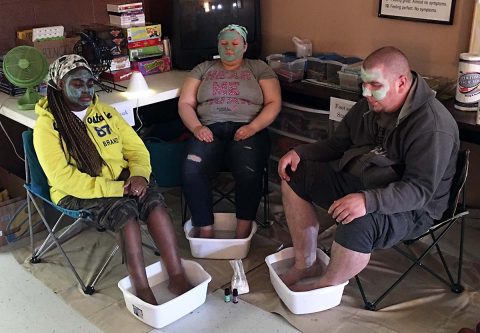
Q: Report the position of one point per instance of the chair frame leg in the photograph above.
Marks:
(90, 289)
(227, 195)
(59, 246)
(455, 286)
(53, 239)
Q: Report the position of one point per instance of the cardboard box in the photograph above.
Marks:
(130, 19)
(152, 66)
(52, 49)
(124, 8)
(144, 52)
(25, 34)
(146, 32)
(120, 62)
(144, 43)
(116, 76)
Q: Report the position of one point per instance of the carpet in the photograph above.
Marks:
(419, 304)
(106, 307)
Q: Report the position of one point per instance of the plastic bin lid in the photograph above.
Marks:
(353, 68)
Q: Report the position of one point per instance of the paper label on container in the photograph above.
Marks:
(126, 109)
(339, 108)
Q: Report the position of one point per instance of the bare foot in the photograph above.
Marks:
(293, 275)
(244, 228)
(146, 295)
(206, 232)
(306, 286)
(179, 284)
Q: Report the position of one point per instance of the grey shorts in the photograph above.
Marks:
(318, 183)
(114, 213)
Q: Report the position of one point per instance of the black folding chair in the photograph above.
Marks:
(36, 185)
(455, 213)
(227, 194)
(221, 193)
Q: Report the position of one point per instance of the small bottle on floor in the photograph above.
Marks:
(235, 296)
(227, 296)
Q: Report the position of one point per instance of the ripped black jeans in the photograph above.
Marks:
(246, 160)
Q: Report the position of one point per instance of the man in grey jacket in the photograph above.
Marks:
(384, 175)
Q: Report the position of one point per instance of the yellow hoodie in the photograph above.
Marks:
(117, 143)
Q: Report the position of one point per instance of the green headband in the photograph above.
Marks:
(238, 28)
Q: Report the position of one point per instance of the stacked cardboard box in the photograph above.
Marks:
(145, 50)
(126, 15)
(52, 49)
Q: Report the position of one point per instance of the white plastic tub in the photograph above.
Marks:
(170, 307)
(224, 246)
(306, 301)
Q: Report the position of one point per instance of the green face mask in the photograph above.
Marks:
(374, 78)
(78, 88)
(230, 46)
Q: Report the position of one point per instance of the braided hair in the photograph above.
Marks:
(72, 130)
(73, 133)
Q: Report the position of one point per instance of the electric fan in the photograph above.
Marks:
(25, 67)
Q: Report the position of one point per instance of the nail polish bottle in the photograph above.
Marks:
(227, 296)
(235, 295)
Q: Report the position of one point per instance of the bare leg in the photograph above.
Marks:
(303, 225)
(205, 232)
(135, 263)
(244, 227)
(161, 228)
(344, 264)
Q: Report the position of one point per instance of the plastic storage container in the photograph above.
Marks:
(324, 67)
(223, 247)
(316, 69)
(350, 81)
(302, 121)
(287, 68)
(306, 301)
(170, 308)
(282, 142)
(350, 78)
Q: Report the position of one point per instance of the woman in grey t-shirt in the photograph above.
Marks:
(227, 105)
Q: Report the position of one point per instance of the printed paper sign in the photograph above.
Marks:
(339, 108)
(126, 109)
(437, 11)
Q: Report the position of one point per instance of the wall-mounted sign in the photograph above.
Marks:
(432, 11)
(475, 35)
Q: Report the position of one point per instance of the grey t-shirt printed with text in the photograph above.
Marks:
(230, 95)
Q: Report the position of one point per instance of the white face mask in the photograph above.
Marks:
(374, 84)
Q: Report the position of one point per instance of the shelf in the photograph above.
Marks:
(293, 136)
(304, 108)
(319, 90)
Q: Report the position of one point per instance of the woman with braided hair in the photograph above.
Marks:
(94, 160)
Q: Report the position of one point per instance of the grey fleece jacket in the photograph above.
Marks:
(414, 168)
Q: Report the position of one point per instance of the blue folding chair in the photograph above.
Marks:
(37, 186)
